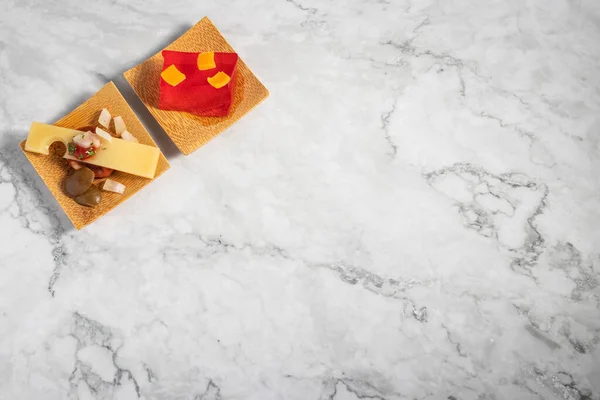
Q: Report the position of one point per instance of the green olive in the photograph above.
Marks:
(91, 198)
(79, 181)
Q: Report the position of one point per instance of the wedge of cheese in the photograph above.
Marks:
(121, 155)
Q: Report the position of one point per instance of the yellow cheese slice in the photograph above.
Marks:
(172, 75)
(121, 155)
(206, 61)
(219, 80)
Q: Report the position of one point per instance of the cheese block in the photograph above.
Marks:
(206, 61)
(121, 155)
(219, 80)
(172, 76)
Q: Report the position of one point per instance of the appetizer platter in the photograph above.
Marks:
(99, 155)
(197, 87)
(94, 158)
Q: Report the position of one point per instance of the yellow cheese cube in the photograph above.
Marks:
(121, 155)
(219, 80)
(172, 75)
(206, 61)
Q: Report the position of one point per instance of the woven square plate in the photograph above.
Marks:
(189, 131)
(53, 169)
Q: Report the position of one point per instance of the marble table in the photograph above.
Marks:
(413, 213)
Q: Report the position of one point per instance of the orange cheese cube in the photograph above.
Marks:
(206, 61)
(172, 76)
(219, 80)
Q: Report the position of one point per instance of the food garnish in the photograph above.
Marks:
(81, 153)
(71, 147)
(86, 140)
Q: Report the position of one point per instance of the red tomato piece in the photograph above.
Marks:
(100, 172)
(81, 153)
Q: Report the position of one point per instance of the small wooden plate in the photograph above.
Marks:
(53, 169)
(189, 131)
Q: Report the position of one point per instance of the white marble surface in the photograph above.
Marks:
(412, 214)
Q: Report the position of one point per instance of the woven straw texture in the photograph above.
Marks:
(53, 169)
(189, 131)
